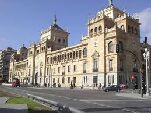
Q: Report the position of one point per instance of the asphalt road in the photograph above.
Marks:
(89, 101)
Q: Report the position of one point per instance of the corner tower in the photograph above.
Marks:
(58, 37)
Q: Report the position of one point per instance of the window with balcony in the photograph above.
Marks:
(95, 65)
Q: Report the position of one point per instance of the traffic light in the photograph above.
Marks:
(117, 48)
(145, 40)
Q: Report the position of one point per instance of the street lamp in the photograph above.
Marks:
(146, 57)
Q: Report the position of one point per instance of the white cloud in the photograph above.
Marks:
(145, 20)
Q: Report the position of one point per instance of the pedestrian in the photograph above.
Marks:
(100, 86)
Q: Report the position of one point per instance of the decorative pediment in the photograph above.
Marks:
(95, 55)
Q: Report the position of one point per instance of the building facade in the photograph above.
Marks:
(109, 54)
(5, 56)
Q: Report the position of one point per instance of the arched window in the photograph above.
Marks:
(73, 54)
(70, 54)
(122, 27)
(95, 30)
(110, 47)
(85, 52)
(100, 29)
(80, 53)
(91, 31)
(76, 54)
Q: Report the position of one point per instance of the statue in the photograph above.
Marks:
(110, 2)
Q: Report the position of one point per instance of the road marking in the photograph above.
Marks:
(109, 100)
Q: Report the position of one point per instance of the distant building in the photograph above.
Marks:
(109, 54)
(5, 56)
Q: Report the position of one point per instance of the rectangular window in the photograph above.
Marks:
(58, 69)
(63, 80)
(63, 70)
(84, 67)
(113, 79)
(68, 68)
(47, 71)
(74, 68)
(53, 80)
(74, 80)
(110, 65)
(37, 51)
(95, 65)
(68, 79)
(58, 80)
(80, 53)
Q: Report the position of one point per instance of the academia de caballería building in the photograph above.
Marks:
(109, 54)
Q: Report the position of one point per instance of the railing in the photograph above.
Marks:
(63, 73)
(84, 71)
(95, 70)
(54, 105)
(59, 108)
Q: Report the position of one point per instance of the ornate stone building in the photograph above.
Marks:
(108, 54)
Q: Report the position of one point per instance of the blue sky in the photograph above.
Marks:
(22, 20)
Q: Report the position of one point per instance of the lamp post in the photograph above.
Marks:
(146, 57)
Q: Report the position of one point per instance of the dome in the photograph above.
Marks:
(23, 48)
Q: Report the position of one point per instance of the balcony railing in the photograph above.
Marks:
(63, 73)
(84, 71)
(95, 69)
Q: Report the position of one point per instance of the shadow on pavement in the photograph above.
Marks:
(6, 110)
(99, 109)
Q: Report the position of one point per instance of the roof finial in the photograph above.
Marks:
(55, 20)
(110, 2)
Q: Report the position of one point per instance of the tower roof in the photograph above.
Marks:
(55, 25)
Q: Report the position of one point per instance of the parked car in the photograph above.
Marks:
(16, 83)
(123, 86)
(112, 88)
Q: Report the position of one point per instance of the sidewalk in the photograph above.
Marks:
(132, 94)
(12, 108)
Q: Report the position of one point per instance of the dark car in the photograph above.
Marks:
(112, 88)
